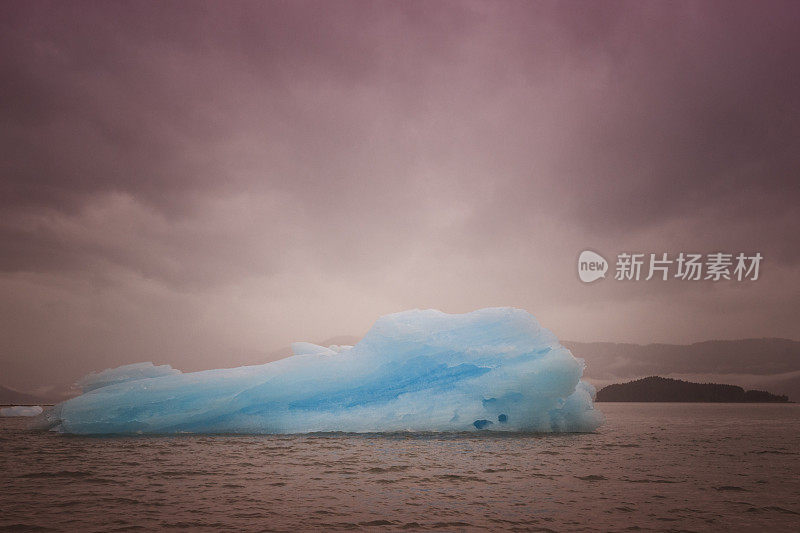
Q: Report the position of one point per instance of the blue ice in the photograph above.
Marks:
(493, 369)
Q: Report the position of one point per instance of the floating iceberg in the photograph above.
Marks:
(21, 410)
(492, 369)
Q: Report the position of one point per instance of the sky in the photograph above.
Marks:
(201, 184)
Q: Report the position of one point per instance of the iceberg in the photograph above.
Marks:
(493, 369)
(21, 410)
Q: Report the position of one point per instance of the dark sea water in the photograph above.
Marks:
(652, 467)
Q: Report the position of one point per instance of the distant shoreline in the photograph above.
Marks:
(697, 401)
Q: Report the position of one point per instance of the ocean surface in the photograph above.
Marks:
(651, 467)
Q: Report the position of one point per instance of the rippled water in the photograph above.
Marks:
(651, 467)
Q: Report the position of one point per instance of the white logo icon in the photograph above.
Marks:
(591, 266)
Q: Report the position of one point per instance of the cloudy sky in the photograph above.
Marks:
(202, 183)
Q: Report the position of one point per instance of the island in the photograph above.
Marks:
(658, 389)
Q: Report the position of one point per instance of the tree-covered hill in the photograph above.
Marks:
(658, 389)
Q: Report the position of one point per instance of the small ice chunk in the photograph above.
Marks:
(21, 410)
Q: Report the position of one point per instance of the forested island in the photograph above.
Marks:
(658, 389)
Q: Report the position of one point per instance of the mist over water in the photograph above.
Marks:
(651, 466)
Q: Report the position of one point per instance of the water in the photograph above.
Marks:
(666, 467)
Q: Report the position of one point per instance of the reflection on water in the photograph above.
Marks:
(651, 466)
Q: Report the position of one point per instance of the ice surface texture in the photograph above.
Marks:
(492, 369)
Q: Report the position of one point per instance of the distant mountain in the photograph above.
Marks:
(658, 389)
(772, 364)
(12, 397)
(746, 356)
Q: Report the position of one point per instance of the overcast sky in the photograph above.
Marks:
(201, 184)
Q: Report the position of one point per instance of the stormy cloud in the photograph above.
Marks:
(200, 183)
